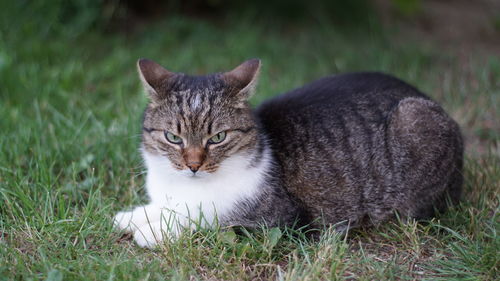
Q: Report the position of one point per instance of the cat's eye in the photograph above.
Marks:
(173, 138)
(219, 137)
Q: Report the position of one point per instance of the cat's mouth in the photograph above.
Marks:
(194, 175)
(200, 170)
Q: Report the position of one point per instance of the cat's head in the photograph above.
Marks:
(197, 122)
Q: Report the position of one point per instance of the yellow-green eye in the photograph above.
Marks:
(219, 137)
(173, 138)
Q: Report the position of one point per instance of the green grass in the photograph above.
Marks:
(70, 109)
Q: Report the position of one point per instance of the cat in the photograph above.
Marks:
(346, 150)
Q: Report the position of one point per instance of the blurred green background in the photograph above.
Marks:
(55, 51)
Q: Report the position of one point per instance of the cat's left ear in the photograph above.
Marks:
(244, 79)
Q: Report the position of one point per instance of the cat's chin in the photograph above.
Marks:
(195, 176)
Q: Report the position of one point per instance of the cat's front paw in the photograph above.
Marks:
(123, 221)
(151, 234)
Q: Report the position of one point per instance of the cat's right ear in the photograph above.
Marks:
(154, 77)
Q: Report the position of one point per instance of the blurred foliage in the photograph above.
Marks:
(340, 11)
(42, 18)
(73, 17)
(496, 22)
(407, 7)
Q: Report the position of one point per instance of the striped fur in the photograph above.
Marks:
(345, 150)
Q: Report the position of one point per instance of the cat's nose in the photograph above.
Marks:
(194, 166)
(193, 157)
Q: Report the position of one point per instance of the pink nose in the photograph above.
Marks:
(194, 166)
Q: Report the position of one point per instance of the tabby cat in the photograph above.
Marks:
(344, 150)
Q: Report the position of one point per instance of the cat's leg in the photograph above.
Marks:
(132, 220)
(149, 235)
(153, 233)
(168, 227)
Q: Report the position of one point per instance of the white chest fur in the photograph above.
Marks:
(178, 199)
(213, 194)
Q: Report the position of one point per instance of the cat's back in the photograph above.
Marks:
(341, 141)
(338, 92)
(332, 109)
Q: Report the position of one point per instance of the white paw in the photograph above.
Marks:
(126, 221)
(149, 235)
(139, 216)
(123, 220)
